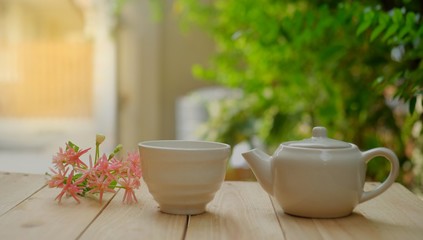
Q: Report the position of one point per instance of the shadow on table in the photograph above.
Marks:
(349, 227)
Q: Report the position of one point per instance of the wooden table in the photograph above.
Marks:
(240, 210)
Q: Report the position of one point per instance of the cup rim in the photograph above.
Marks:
(184, 145)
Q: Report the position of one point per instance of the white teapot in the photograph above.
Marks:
(318, 177)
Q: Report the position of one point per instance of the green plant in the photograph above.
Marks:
(307, 63)
(402, 30)
(400, 27)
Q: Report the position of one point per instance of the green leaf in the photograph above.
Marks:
(384, 19)
(412, 104)
(403, 32)
(76, 176)
(397, 16)
(363, 27)
(376, 32)
(410, 19)
(366, 22)
(113, 184)
(391, 31)
(368, 16)
(73, 146)
(378, 81)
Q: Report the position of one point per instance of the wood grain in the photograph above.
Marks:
(41, 217)
(240, 210)
(396, 214)
(142, 220)
(16, 187)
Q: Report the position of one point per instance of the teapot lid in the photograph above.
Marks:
(319, 139)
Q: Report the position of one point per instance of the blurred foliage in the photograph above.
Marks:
(350, 66)
(402, 30)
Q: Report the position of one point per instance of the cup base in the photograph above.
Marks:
(183, 210)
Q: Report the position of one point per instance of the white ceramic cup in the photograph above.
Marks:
(183, 176)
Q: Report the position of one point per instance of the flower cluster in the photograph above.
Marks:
(107, 173)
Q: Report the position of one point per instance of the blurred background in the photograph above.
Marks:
(251, 73)
(71, 69)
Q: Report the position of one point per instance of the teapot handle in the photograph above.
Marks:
(388, 154)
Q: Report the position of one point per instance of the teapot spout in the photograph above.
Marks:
(260, 164)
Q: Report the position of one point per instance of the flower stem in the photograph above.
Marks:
(98, 140)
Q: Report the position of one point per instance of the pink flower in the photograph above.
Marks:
(70, 189)
(100, 184)
(104, 175)
(87, 171)
(104, 167)
(129, 184)
(102, 164)
(115, 164)
(58, 179)
(135, 167)
(69, 157)
(129, 167)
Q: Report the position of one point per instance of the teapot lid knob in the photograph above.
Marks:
(319, 140)
(319, 132)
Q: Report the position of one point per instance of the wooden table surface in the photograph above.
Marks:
(240, 210)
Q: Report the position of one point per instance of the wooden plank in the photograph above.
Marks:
(240, 210)
(16, 187)
(142, 220)
(41, 217)
(396, 214)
